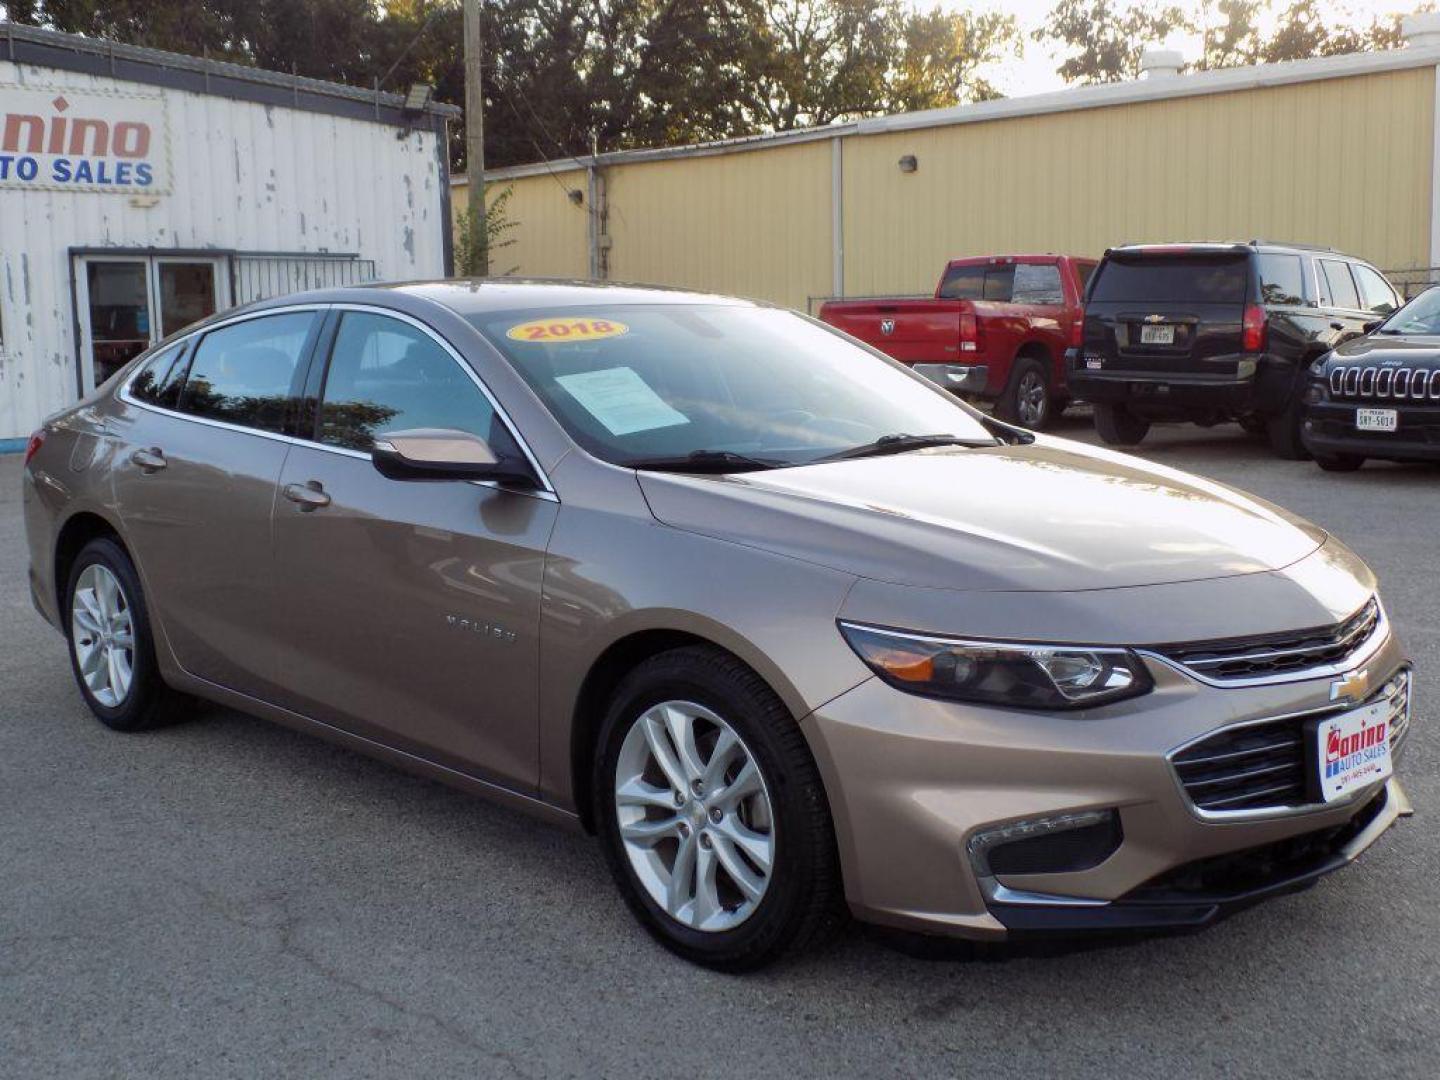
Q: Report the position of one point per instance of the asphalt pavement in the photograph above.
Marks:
(229, 898)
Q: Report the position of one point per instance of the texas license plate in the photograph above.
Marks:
(1377, 419)
(1354, 750)
(1157, 335)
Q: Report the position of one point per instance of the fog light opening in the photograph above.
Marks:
(1061, 843)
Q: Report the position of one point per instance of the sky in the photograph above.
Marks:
(1034, 72)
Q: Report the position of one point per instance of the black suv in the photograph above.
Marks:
(1216, 332)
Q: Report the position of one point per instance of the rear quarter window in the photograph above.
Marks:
(1212, 279)
(1282, 279)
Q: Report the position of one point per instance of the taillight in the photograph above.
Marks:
(1252, 329)
(33, 446)
(969, 333)
(1077, 332)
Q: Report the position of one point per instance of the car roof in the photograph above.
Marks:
(1236, 246)
(468, 297)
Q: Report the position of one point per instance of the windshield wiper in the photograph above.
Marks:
(897, 444)
(706, 461)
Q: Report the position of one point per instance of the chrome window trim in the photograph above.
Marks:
(546, 493)
(1289, 810)
(1366, 650)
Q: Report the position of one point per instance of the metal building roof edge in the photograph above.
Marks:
(30, 45)
(1070, 99)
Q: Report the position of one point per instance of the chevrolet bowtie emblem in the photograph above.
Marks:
(1351, 687)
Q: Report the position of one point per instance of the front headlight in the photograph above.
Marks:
(1020, 675)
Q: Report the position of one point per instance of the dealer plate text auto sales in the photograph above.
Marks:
(1354, 750)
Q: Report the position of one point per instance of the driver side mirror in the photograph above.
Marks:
(445, 454)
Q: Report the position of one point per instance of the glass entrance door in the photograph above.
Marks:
(126, 303)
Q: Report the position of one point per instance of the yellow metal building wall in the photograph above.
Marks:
(753, 224)
(550, 234)
(1342, 162)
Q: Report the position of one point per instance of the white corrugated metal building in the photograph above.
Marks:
(141, 190)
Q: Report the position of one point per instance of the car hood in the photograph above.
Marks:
(1401, 349)
(1049, 516)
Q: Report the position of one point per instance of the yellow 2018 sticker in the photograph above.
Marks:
(559, 329)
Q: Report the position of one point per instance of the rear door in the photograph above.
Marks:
(1168, 312)
(195, 478)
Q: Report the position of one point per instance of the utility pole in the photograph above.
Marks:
(475, 140)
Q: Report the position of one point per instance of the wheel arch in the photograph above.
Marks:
(78, 530)
(617, 660)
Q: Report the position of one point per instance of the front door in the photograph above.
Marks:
(410, 610)
(126, 303)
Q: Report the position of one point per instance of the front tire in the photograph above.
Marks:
(711, 813)
(112, 652)
(1118, 426)
(1027, 400)
(1339, 462)
(1283, 431)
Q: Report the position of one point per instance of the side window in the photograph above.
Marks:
(1000, 283)
(243, 373)
(963, 283)
(1375, 292)
(1036, 284)
(1339, 284)
(158, 382)
(386, 375)
(1281, 280)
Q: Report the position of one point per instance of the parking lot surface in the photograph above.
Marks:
(228, 898)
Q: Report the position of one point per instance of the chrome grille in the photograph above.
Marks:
(1267, 765)
(1384, 383)
(1234, 659)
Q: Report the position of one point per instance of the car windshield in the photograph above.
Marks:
(668, 382)
(1420, 316)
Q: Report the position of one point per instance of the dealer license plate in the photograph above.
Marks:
(1377, 419)
(1157, 335)
(1354, 750)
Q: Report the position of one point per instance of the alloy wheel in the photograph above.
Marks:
(102, 634)
(1030, 399)
(695, 816)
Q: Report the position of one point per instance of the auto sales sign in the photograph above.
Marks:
(61, 139)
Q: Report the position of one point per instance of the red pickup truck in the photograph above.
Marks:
(997, 328)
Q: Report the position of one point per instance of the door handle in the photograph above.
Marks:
(309, 495)
(150, 461)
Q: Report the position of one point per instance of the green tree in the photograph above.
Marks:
(1104, 40)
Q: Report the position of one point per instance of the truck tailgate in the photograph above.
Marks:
(911, 331)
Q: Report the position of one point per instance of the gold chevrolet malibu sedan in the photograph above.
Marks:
(792, 629)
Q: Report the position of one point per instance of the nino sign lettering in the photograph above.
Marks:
(60, 139)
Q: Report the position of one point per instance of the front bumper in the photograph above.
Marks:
(913, 781)
(1329, 429)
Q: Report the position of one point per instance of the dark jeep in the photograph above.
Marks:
(1379, 396)
(1216, 332)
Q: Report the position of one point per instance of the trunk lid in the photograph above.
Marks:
(1175, 311)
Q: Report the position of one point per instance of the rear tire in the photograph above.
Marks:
(1027, 400)
(112, 651)
(1339, 462)
(1118, 426)
(666, 820)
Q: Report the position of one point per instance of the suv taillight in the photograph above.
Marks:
(1252, 329)
(33, 446)
(1077, 332)
(969, 333)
